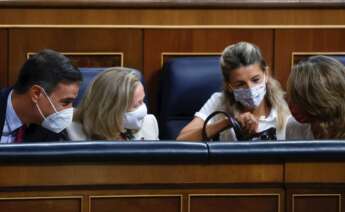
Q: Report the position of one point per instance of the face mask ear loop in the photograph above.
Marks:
(49, 100)
(39, 110)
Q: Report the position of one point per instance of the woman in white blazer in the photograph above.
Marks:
(114, 109)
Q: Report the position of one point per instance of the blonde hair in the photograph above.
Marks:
(317, 85)
(107, 99)
(245, 54)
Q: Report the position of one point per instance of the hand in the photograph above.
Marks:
(248, 123)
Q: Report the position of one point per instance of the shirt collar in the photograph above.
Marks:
(271, 117)
(12, 119)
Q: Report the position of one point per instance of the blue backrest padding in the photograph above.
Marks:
(88, 75)
(297, 149)
(340, 58)
(165, 152)
(134, 152)
(186, 84)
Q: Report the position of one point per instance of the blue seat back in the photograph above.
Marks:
(186, 84)
(88, 75)
(340, 58)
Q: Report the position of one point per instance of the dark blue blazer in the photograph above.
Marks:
(34, 133)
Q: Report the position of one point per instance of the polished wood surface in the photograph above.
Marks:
(326, 172)
(172, 3)
(40, 204)
(316, 203)
(235, 203)
(136, 203)
(288, 41)
(138, 174)
(3, 57)
(126, 41)
(239, 186)
(171, 17)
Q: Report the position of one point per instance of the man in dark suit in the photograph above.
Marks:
(38, 107)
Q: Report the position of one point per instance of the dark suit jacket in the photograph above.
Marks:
(34, 133)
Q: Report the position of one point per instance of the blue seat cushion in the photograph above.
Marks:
(186, 84)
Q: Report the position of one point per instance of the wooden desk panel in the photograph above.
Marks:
(81, 175)
(136, 203)
(174, 17)
(288, 41)
(126, 41)
(3, 57)
(34, 204)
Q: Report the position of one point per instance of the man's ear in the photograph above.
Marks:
(35, 93)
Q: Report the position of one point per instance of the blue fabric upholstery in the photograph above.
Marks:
(186, 84)
(165, 152)
(309, 149)
(340, 58)
(134, 152)
(88, 75)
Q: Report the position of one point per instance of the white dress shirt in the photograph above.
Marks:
(12, 122)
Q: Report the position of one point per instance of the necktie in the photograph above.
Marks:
(20, 134)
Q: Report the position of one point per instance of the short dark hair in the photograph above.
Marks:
(47, 69)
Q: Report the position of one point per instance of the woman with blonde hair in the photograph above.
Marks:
(113, 108)
(249, 94)
(316, 94)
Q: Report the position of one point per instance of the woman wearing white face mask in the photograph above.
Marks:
(250, 95)
(113, 108)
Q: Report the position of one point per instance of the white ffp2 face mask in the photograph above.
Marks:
(251, 97)
(134, 120)
(57, 121)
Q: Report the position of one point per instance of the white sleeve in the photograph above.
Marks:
(155, 127)
(296, 130)
(214, 103)
(149, 130)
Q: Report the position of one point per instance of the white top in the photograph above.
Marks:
(296, 130)
(12, 122)
(149, 130)
(215, 103)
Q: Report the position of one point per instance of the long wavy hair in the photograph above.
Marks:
(317, 85)
(108, 97)
(244, 54)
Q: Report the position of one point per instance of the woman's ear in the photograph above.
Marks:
(35, 93)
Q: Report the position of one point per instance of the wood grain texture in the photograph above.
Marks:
(3, 57)
(317, 203)
(22, 41)
(235, 203)
(315, 172)
(40, 204)
(174, 17)
(288, 41)
(112, 174)
(172, 3)
(136, 204)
